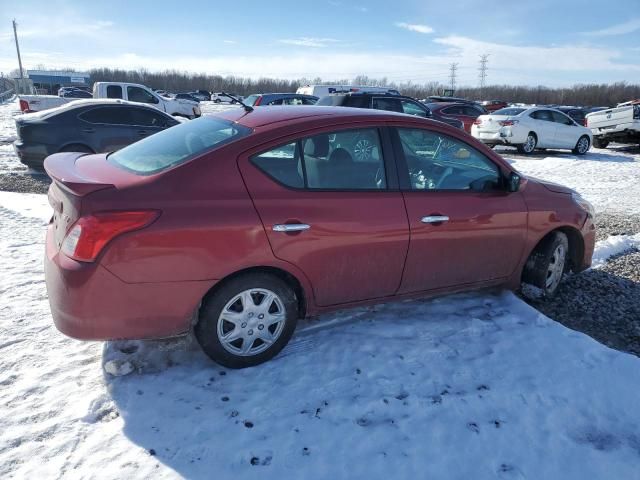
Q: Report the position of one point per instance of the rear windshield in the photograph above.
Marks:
(509, 111)
(176, 145)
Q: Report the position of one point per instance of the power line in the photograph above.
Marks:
(452, 75)
(484, 59)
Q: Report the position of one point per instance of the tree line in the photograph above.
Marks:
(176, 81)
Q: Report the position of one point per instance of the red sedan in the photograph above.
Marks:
(465, 112)
(237, 225)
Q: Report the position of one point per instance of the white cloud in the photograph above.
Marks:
(414, 27)
(629, 26)
(230, 42)
(308, 41)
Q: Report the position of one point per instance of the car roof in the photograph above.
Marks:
(89, 102)
(274, 114)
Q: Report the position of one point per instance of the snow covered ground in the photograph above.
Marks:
(470, 386)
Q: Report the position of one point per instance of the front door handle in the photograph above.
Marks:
(435, 219)
(290, 227)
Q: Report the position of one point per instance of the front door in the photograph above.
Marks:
(465, 229)
(329, 206)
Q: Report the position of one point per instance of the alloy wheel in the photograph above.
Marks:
(251, 322)
(556, 268)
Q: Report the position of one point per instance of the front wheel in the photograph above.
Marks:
(546, 265)
(529, 145)
(582, 146)
(247, 321)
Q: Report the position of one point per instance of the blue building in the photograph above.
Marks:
(49, 81)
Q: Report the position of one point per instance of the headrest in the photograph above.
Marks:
(317, 146)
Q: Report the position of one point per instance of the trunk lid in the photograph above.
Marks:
(75, 176)
(491, 123)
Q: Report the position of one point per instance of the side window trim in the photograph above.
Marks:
(403, 167)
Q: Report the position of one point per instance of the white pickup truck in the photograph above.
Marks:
(127, 91)
(620, 124)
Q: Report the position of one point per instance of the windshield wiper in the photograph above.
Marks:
(246, 107)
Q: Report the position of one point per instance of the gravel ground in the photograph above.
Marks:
(24, 182)
(604, 303)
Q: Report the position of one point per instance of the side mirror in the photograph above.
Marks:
(513, 182)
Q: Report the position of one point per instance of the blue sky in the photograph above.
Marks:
(543, 42)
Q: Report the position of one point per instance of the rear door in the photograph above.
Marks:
(330, 205)
(106, 128)
(465, 229)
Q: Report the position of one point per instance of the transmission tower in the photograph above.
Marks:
(484, 59)
(452, 75)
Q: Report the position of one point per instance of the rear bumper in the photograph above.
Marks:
(88, 302)
(31, 155)
(505, 136)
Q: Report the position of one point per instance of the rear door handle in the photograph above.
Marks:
(88, 130)
(290, 227)
(142, 133)
(435, 219)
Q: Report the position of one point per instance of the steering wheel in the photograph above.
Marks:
(447, 172)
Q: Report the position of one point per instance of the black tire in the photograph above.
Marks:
(579, 149)
(206, 330)
(598, 143)
(526, 148)
(217, 100)
(537, 269)
(76, 147)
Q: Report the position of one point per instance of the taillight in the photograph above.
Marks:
(508, 123)
(91, 233)
(258, 101)
(585, 122)
(24, 106)
(477, 121)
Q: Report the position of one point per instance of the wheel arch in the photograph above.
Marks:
(576, 245)
(72, 144)
(290, 279)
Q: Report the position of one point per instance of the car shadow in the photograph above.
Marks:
(203, 420)
(616, 153)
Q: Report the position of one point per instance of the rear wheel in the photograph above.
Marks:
(582, 146)
(599, 143)
(247, 321)
(529, 144)
(546, 265)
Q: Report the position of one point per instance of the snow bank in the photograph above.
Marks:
(475, 386)
(608, 178)
(613, 245)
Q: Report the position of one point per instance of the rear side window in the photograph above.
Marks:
(389, 104)
(177, 145)
(346, 160)
(250, 100)
(114, 115)
(542, 115)
(114, 91)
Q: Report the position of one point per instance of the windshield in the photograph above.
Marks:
(250, 100)
(509, 111)
(176, 145)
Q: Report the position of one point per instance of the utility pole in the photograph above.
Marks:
(15, 35)
(452, 75)
(484, 59)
